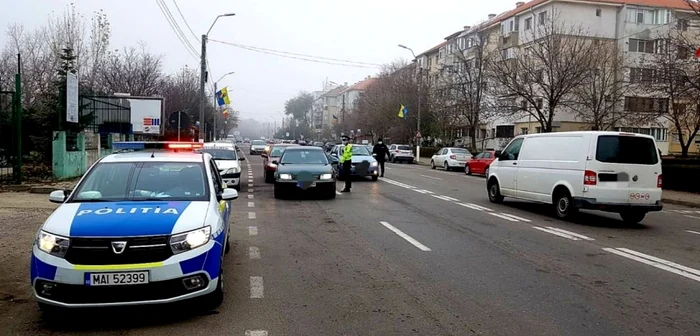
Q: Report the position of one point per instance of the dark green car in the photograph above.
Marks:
(305, 169)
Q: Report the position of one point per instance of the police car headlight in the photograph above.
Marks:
(52, 244)
(190, 240)
(285, 176)
(326, 176)
(374, 164)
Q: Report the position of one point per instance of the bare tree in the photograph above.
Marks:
(465, 77)
(544, 71)
(673, 76)
(134, 70)
(100, 33)
(599, 97)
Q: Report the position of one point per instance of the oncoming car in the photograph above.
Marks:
(142, 227)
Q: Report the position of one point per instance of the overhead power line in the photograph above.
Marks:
(176, 28)
(185, 20)
(303, 57)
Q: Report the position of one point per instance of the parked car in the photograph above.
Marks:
(480, 163)
(608, 171)
(401, 153)
(450, 158)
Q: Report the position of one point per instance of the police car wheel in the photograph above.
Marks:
(227, 249)
(216, 298)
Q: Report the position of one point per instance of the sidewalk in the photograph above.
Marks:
(40, 188)
(669, 196)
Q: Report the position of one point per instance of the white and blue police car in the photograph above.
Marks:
(146, 226)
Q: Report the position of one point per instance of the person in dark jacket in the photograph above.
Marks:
(381, 152)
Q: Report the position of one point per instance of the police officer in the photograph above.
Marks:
(346, 162)
(381, 151)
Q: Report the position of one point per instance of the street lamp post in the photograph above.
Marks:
(420, 84)
(203, 76)
(216, 102)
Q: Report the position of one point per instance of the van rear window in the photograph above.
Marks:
(626, 150)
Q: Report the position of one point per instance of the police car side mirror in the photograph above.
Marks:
(229, 194)
(57, 196)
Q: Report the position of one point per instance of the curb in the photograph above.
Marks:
(692, 204)
(42, 190)
(18, 188)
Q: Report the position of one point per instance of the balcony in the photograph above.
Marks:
(509, 40)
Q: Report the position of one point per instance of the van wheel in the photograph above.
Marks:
(494, 191)
(564, 205)
(632, 217)
(432, 164)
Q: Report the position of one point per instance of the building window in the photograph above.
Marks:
(507, 131)
(598, 12)
(507, 53)
(642, 75)
(541, 18)
(538, 129)
(540, 103)
(528, 24)
(524, 130)
(640, 16)
(644, 104)
(659, 46)
(682, 24)
(660, 134)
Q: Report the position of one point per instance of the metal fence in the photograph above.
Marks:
(9, 170)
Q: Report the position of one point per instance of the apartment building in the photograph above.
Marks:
(636, 26)
(328, 103)
(345, 101)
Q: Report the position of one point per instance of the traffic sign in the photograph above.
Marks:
(418, 135)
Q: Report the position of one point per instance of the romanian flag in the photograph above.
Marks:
(222, 97)
(403, 111)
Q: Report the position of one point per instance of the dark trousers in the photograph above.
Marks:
(347, 167)
(381, 166)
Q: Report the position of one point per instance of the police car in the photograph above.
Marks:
(145, 226)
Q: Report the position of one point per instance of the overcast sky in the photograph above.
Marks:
(360, 30)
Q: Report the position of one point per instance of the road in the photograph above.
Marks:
(423, 252)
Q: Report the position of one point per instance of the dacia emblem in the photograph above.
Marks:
(118, 247)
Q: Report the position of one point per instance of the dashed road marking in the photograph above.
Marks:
(250, 196)
(659, 263)
(563, 233)
(408, 238)
(257, 289)
(250, 185)
(444, 198)
(253, 252)
(398, 183)
(256, 333)
(478, 207)
(431, 177)
(694, 217)
(516, 217)
(250, 181)
(253, 230)
(503, 217)
(251, 215)
(251, 204)
(695, 232)
(423, 191)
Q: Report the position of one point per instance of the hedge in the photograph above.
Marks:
(681, 174)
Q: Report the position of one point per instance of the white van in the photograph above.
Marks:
(608, 171)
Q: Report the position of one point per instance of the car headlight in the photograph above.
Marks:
(374, 164)
(285, 176)
(233, 170)
(52, 244)
(326, 176)
(184, 242)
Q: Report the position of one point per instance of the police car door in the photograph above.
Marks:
(224, 206)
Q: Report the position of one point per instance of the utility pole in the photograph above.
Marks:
(202, 81)
(216, 110)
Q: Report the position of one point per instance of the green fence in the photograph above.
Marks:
(10, 145)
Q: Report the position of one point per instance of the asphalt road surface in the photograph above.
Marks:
(423, 252)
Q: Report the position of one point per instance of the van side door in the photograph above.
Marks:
(508, 167)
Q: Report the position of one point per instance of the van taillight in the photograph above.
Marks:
(659, 181)
(590, 178)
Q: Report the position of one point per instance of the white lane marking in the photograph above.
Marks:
(250, 185)
(695, 217)
(256, 333)
(423, 191)
(444, 198)
(556, 233)
(398, 183)
(251, 215)
(406, 237)
(338, 192)
(471, 206)
(504, 217)
(250, 196)
(257, 289)
(683, 211)
(516, 217)
(250, 181)
(659, 263)
(479, 206)
(431, 177)
(695, 232)
(574, 234)
(253, 252)
(251, 204)
(389, 168)
(253, 230)
(451, 199)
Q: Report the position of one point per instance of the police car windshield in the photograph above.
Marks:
(144, 181)
(299, 156)
(221, 154)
